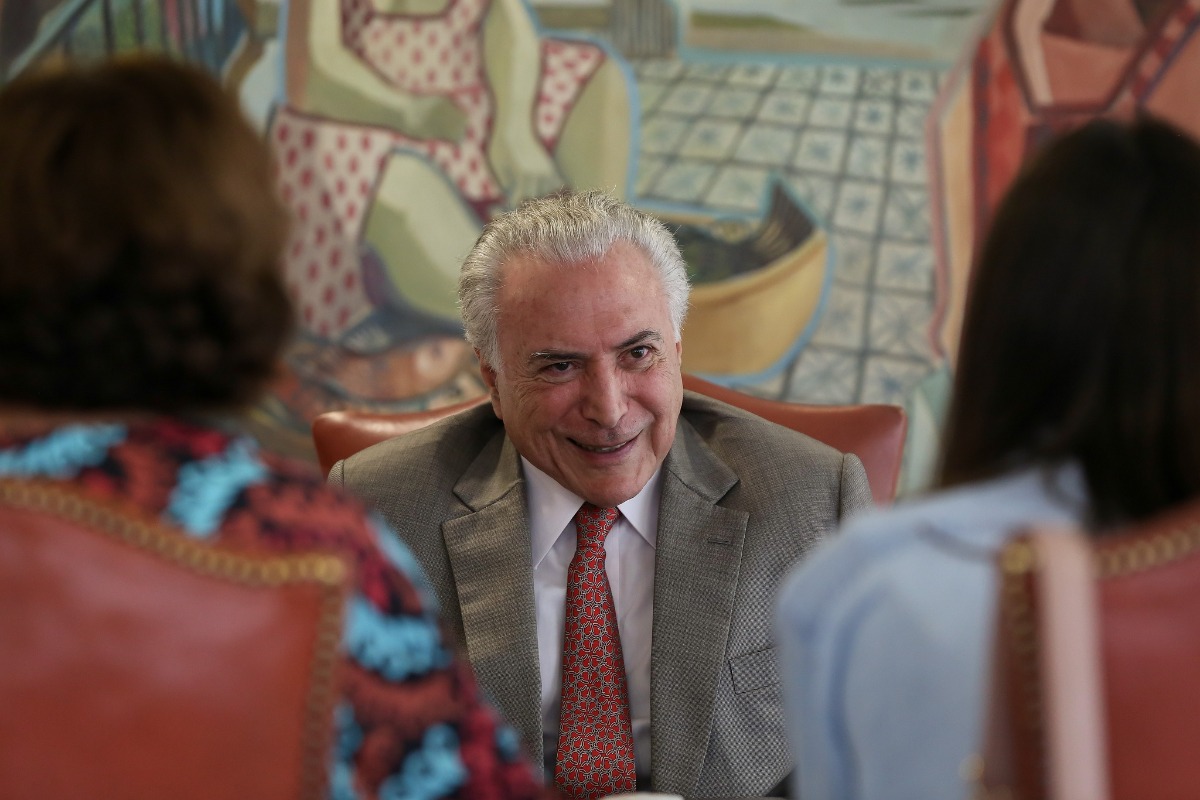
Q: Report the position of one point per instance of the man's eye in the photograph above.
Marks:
(641, 351)
(559, 371)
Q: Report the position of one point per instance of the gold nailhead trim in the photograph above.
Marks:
(1117, 558)
(1018, 562)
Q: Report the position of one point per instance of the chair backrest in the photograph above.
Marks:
(1096, 691)
(141, 664)
(873, 432)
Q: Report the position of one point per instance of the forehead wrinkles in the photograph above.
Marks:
(526, 261)
(622, 277)
(554, 281)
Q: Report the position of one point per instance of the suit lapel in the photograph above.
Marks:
(697, 557)
(489, 552)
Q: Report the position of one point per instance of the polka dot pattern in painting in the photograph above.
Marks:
(328, 170)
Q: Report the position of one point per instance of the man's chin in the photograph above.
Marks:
(608, 495)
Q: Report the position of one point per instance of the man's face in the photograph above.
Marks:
(590, 387)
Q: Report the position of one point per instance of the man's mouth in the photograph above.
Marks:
(601, 449)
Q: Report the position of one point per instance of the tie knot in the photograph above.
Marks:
(592, 524)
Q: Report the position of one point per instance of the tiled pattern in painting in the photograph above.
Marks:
(849, 141)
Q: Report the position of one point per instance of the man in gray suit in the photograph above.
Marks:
(575, 305)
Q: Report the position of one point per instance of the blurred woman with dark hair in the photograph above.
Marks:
(1076, 400)
(140, 301)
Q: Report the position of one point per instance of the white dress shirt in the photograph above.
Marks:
(629, 562)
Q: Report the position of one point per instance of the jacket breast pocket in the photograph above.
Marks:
(754, 671)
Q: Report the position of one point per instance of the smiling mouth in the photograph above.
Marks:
(601, 450)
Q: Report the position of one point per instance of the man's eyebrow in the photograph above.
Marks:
(641, 336)
(552, 356)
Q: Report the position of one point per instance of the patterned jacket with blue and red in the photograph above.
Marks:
(411, 724)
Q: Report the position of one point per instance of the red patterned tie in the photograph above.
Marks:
(595, 737)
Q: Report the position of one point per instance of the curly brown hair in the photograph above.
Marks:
(140, 241)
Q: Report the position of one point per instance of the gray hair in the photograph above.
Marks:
(566, 229)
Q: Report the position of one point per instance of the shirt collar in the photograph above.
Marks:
(552, 507)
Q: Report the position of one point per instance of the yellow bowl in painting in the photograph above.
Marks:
(745, 324)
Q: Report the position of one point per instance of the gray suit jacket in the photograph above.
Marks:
(742, 501)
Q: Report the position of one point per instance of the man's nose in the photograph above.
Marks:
(604, 400)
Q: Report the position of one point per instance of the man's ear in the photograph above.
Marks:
(489, 380)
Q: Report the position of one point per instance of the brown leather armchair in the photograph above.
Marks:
(1095, 692)
(141, 664)
(873, 432)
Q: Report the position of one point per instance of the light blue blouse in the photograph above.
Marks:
(885, 634)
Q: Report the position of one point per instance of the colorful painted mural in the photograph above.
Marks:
(826, 165)
(787, 155)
